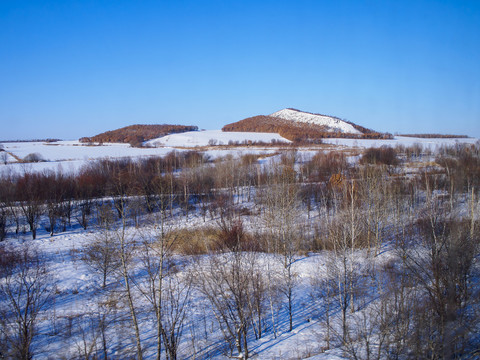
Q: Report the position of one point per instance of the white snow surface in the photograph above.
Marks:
(323, 120)
(219, 137)
(70, 156)
(431, 144)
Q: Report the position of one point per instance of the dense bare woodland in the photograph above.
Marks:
(185, 257)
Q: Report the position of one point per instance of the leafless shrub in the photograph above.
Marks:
(383, 155)
(101, 255)
(33, 157)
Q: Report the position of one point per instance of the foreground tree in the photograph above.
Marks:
(282, 222)
(230, 281)
(442, 264)
(29, 191)
(25, 290)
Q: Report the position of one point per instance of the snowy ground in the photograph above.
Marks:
(78, 295)
(71, 155)
(431, 144)
(78, 298)
(215, 137)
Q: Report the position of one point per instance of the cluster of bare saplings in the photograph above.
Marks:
(422, 301)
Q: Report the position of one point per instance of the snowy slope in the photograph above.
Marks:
(331, 122)
(202, 138)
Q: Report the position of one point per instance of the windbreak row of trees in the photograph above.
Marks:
(419, 302)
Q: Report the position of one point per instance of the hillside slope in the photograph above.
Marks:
(300, 126)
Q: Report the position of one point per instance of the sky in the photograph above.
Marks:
(70, 69)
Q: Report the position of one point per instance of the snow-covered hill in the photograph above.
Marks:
(333, 123)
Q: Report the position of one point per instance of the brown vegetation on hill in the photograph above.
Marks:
(296, 131)
(137, 134)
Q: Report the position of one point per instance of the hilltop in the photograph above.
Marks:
(301, 126)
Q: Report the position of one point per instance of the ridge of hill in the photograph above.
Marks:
(300, 126)
(137, 134)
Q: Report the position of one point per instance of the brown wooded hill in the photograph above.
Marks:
(298, 131)
(137, 134)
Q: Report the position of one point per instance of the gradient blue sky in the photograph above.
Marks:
(76, 68)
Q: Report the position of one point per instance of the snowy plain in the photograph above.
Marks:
(70, 156)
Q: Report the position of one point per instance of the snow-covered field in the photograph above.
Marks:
(431, 144)
(72, 155)
(213, 137)
(69, 155)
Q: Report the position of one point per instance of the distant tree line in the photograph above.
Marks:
(435, 136)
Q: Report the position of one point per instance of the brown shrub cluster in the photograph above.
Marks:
(382, 155)
(323, 165)
(137, 134)
(194, 241)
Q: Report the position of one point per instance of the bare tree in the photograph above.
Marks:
(3, 222)
(343, 235)
(4, 211)
(282, 220)
(125, 249)
(176, 298)
(25, 290)
(155, 258)
(441, 263)
(230, 283)
(101, 255)
(29, 190)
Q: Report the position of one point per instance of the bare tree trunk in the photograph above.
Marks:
(126, 279)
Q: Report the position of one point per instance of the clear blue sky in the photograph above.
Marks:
(76, 68)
